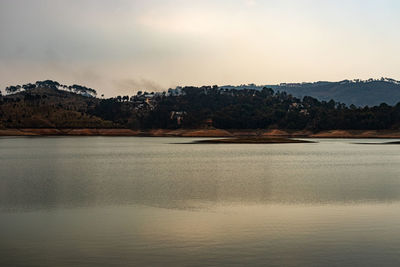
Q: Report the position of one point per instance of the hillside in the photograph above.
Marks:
(48, 107)
(358, 92)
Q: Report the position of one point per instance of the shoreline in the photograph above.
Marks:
(254, 140)
(388, 134)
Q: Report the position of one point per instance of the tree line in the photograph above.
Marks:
(212, 106)
(78, 89)
(263, 109)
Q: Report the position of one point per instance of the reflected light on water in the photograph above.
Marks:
(148, 202)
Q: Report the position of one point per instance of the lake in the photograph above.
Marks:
(136, 201)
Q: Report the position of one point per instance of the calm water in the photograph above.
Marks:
(154, 202)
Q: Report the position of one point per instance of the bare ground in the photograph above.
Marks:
(203, 133)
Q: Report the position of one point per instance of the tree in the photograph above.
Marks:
(13, 89)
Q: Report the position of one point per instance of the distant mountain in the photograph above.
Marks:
(370, 92)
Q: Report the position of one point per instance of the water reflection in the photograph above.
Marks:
(251, 235)
(76, 172)
(147, 202)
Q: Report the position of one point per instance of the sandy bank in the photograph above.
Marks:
(253, 140)
(202, 133)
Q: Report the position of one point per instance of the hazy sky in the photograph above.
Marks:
(120, 46)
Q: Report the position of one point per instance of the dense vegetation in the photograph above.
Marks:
(254, 109)
(48, 105)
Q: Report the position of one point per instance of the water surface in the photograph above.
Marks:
(126, 201)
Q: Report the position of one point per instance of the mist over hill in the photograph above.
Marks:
(371, 92)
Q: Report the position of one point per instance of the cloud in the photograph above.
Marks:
(176, 23)
(250, 2)
(186, 19)
(100, 43)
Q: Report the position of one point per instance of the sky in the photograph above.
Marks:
(122, 46)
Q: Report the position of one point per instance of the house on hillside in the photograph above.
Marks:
(177, 116)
